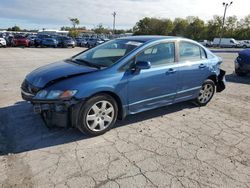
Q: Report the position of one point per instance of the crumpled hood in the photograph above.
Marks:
(59, 70)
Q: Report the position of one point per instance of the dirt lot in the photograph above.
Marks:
(175, 146)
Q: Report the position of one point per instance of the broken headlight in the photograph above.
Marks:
(55, 94)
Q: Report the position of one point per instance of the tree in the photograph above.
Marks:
(153, 26)
(65, 28)
(179, 27)
(213, 27)
(74, 33)
(74, 21)
(196, 29)
(100, 29)
(230, 26)
(14, 28)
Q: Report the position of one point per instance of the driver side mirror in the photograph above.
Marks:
(142, 65)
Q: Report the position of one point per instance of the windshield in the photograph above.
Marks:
(108, 53)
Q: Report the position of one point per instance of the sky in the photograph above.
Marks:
(52, 14)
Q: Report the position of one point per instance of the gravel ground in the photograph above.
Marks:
(175, 146)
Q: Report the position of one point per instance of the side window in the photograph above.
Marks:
(191, 52)
(159, 54)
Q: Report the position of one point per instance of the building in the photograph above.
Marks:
(53, 32)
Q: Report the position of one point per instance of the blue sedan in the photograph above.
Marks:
(93, 89)
(242, 63)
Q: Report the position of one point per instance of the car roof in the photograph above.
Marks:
(146, 38)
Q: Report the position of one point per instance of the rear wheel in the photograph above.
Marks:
(206, 92)
(98, 115)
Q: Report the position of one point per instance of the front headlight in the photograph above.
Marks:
(55, 94)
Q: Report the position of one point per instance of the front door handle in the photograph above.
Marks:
(171, 71)
(202, 66)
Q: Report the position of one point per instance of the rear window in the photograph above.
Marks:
(191, 52)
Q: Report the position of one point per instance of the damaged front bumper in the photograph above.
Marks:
(61, 113)
(221, 81)
(58, 113)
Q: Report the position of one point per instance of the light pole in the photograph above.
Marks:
(226, 5)
(114, 15)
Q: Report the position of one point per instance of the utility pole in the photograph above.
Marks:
(114, 15)
(226, 5)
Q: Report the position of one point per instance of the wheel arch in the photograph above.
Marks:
(214, 78)
(116, 98)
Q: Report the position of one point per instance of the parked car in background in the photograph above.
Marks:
(66, 42)
(225, 43)
(244, 44)
(124, 76)
(49, 42)
(78, 41)
(242, 63)
(39, 38)
(9, 40)
(20, 40)
(84, 42)
(206, 43)
(31, 39)
(2, 42)
(92, 42)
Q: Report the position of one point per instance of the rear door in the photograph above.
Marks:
(193, 70)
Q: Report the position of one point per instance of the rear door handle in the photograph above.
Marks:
(201, 66)
(170, 71)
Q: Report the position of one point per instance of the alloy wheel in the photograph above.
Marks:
(206, 93)
(100, 116)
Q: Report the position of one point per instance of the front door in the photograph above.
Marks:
(156, 86)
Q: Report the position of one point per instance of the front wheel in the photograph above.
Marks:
(206, 92)
(98, 115)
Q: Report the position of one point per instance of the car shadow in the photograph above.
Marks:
(21, 130)
(237, 79)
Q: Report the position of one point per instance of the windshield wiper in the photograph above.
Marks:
(87, 63)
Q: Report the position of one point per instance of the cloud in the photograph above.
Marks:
(91, 13)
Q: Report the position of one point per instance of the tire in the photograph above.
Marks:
(241, 74)
(206, 93)
(98, 115)
(244, 46)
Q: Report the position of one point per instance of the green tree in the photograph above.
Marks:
(101, 30)
(196, 29)
(179, 27)
(14, 28)
(230, 26)
(153, 26)
(213, 27)
(74, 22)
(73, 33)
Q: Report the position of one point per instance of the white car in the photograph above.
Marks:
(225, 42)
(244, 44)
(2, 42)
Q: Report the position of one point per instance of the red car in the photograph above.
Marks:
(20, 40)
